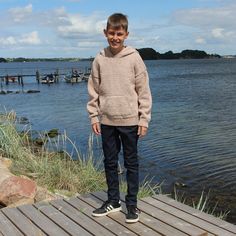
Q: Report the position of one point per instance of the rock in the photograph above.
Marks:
(52, 133)
(5, 163)
(33, 91)
(43, 195)
(3, 92)
(17, 190)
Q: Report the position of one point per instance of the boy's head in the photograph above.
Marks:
(116, 32)
(117, 21)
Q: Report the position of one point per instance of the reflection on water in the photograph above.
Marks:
(192, 135)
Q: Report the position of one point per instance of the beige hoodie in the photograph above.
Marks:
(118, 87)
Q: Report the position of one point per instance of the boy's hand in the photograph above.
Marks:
(142, 131)
(96, 128)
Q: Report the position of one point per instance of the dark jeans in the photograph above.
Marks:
(112, 138)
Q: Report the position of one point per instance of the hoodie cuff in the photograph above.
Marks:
(94, 120)
(143, 123)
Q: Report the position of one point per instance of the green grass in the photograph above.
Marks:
(55, 169)
(203, 204)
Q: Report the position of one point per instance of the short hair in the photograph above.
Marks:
(118, 20)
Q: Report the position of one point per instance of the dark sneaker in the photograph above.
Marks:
(132, 215)
(107, 208)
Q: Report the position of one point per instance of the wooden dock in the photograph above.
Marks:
(160, 215)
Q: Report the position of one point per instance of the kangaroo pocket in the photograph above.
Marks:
(117, 107)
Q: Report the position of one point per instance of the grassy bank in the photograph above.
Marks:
(55, 170)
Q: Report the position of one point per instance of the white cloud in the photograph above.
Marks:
(19, 14)
(25, 39)
(200, 40)
(75, 25)
(31, 38)
(217, 32)
(207, 17)
(8, 41)
(214, 28)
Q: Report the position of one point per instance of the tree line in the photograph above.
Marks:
(151, 54)
(146, 54)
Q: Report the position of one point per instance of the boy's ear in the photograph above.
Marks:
(127, 34)
(105, 32)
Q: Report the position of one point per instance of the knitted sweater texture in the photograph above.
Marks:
(118, 87)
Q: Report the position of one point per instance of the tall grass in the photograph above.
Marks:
(53, 170)
(203, 204)
(56, 169)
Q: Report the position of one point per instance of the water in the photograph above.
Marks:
(192, 134)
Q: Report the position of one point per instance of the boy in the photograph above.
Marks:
(120, 100)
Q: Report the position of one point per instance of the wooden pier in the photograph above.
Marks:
(160, 215)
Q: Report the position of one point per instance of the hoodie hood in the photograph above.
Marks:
(106, 52)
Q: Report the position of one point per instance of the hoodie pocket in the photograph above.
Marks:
(117, 107)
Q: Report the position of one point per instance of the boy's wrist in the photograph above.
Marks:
(94, 120)
(143, 123)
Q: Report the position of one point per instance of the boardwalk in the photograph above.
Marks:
(160, 216)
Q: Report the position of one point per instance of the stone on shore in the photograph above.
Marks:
(17, 190)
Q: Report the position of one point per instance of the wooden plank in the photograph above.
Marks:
(206, 217)
(212, 229)
(119, 217)
(43, 222)
(7, 228)
(149, 221)
(80, 218)
(171, 220)
(23, 223)
(105, 221)
(60, 219)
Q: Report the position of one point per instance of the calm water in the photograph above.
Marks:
(192, 135)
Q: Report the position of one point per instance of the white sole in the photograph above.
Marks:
(106, 213)
(129, 221)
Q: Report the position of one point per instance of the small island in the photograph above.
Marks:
(151, 54)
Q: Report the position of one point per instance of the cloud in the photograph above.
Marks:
(19, 14)
(206, 17)
(209, 26)
(76, 25)
(200, 40)
(31, 38)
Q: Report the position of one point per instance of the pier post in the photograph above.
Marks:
(7, 79)
(37, 76)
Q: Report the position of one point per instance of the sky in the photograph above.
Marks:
(74, 28)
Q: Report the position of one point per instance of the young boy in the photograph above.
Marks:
(120, 110)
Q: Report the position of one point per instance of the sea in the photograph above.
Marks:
(191, 142)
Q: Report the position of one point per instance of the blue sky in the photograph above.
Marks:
(74, 28)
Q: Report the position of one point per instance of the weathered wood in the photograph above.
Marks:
(210, 228)
(79, 216)
(105, 221)
(119, 217)
(43, 222)
(60, 219)
(160, 216)
(23, 223)
(206, 217)
(178, 226)
(148, 221)
(7, 228)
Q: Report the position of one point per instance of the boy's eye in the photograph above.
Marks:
(116, 33)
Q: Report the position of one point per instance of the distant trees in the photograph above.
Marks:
(151, 54)
(148, 53)
(2, 59)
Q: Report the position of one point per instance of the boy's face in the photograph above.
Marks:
(115, 38)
